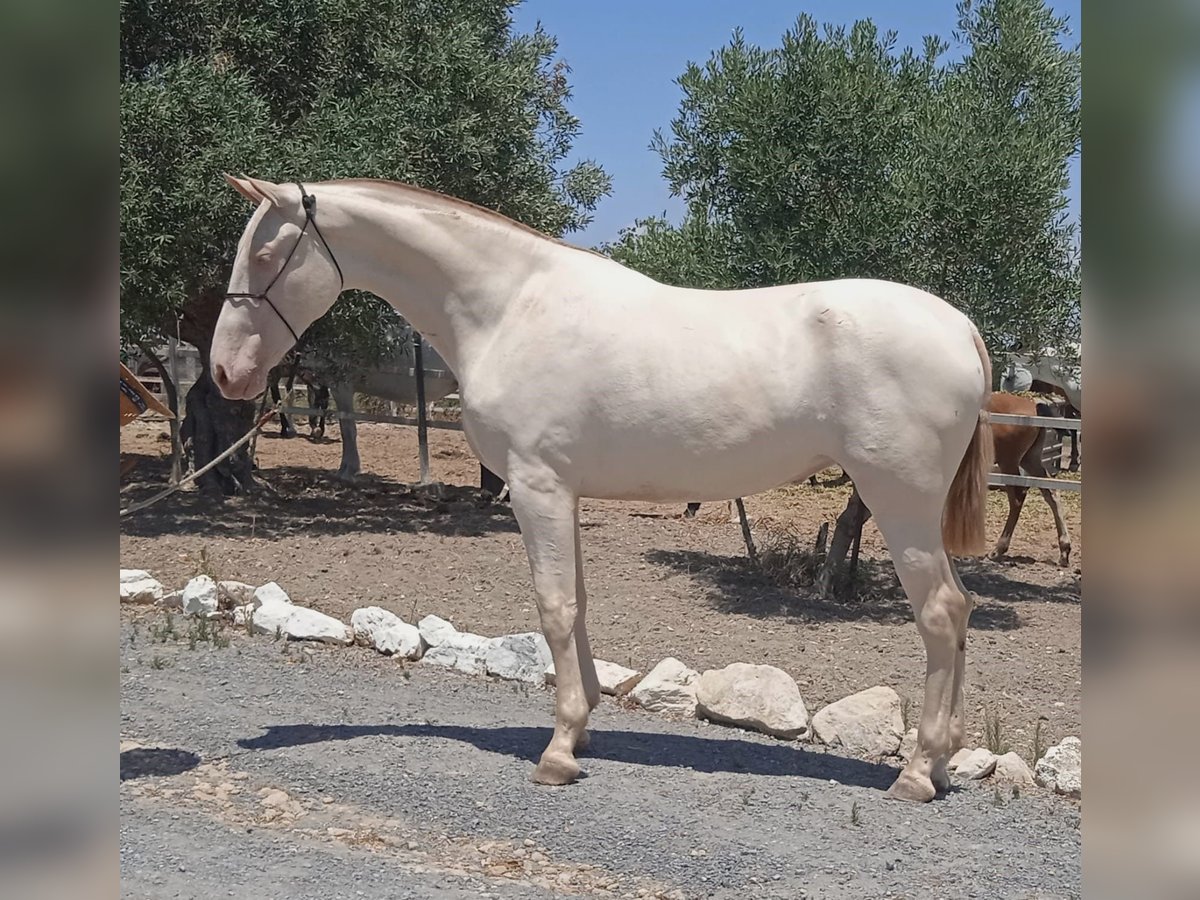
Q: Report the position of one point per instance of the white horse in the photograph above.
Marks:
(1048, 368)
(580, 378)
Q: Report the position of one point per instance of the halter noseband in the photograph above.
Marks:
(310, 218)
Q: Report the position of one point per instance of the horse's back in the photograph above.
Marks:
(705, 394)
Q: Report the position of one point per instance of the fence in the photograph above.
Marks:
(1030, 481)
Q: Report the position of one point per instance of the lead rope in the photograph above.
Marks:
(258, 426)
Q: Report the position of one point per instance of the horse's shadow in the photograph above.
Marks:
(677, 751)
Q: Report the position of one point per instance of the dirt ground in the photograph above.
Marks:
(658, 584)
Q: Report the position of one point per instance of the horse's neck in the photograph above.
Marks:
(451, 276)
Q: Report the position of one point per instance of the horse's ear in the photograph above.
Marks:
(256, 190)
(244, 187)
(270, 191)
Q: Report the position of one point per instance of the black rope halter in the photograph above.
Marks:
(310, 218)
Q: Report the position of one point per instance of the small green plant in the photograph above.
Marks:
(993, 732)
(206, 631)
(1016, 793)
(158, 662)
(998, 799)
(278, 632)
(855, 815)
(906, 712)
(165, 631)
(1038, 750)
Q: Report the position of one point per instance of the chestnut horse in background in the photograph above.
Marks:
(1019, 450)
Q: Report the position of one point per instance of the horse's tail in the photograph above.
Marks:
(963, 521)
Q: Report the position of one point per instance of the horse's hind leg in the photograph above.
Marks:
(911, 524)
(583, 647)
(1016, 501)
(548, 516)
(1032, 463)
(958, 724)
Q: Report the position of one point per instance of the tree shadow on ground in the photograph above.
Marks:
(638, 748)
(736, 586)
(296, 500)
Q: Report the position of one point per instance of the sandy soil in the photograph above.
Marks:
(658, 584)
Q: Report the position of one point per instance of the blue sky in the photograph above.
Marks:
(625, 56)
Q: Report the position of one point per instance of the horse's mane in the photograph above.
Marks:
(455, 203)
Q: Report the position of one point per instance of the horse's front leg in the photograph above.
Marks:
(548, 516)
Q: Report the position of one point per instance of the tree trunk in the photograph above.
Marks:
(847, 532)
(212, 423)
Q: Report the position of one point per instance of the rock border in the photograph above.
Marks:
(867, 724)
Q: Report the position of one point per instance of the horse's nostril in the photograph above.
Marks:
(220, 377)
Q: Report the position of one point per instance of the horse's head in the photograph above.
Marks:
(284, 278)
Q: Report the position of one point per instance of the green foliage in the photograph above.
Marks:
(833, 155)
(436, 93)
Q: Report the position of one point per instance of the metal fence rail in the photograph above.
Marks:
(369, 417)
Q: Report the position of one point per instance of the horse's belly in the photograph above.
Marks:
(664, 472)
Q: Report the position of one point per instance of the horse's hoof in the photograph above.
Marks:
(913, 788)
(556, 769)
(997, 555)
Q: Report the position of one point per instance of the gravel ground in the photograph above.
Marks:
(267, 769)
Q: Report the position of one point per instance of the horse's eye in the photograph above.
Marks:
(262, 257)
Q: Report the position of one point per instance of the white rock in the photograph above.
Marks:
(386, 632)
(908, 746)
(401, 640)
(276, 614)
(234, 593)
(978, 764)
(760, 697)
(462, 650)
(269, 593)
(670, 687)
(518, 657)
(866, 724)
(306, 624)
(1061, 769)
(961, 754)
(436, 630)
(1011, 768)
(137, 586)
(615, 680)
(200, 597)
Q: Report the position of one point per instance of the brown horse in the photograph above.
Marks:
(1019, 449)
